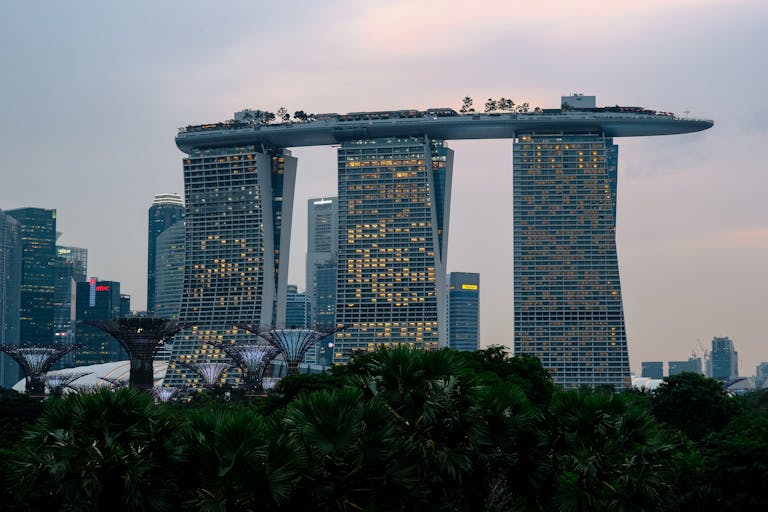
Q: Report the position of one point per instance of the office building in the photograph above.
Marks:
(394, 197)
(297, 311)
(10, 295)
(724, 359)
(37, 227)
(653, 369)
(238, 218)
(166, 210)
(169, 271)
(761, 375)
(71, 268)
(97, 300)
(567, 294)
(692, 365)
(322, 248)
(464, 310)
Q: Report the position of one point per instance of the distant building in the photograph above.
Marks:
(169, 271)
(297, 314)
(653, 369)
(37, 227)
(761, 375)
(725, 363)
(322, 249)
(10, 295)
(464, 311)
(166, 210)
(97, 300)
(692, 365)
(71, 268)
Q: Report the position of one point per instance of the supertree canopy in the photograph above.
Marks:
(164, 394)
(292, 343)
(56, 382)
(36, 361)
(210, 372)
(141, 338)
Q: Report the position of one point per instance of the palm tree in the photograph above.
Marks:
(103, 451)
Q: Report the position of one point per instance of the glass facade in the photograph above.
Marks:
(693, 364)
(166, 210)
(394, 196)
(235, 245)
(567, 296)
(37, 227)
(464, 310)
(97, 300)
(322, 249)
(724, 359)
(71, 268)
(652, 369)
(169, 271)
(10, 295)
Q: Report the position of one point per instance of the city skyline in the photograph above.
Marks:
(692, 222)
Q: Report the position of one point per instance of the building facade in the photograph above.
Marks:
(567, 294)
(97, 300)
(238, 217)
(37, 228)
(692, 365)
(10, 295)
(464, 310)
(653, 369)
(166, 211)
(322, 248)
(724, 359)
(394, 203)
(71, 268)
(169, 271)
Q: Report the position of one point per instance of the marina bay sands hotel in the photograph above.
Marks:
(394, 195)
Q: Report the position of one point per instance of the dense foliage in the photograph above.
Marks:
(396, 430)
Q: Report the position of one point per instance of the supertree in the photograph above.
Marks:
(292, 343)
(164, 394)
(57, 382)
(210, 372)
(36, 361)
(253, 359)
(141, 338)
(269, 382)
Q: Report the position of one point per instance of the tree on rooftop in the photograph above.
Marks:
(466, 106)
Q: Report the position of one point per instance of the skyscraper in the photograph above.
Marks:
(166, 210)
(297, 310)
(567, 294)
(724, 359)
(394, 197)
(10, 295)
(169, 271)
(71, 268)
(37, 228)
(322, 248)
(239, 205)
(97, 300)
(464, 310)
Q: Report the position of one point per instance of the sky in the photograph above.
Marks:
(92, 94)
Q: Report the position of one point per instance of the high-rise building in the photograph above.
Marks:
(71, 268)
(297, 310)
(37, 228)
(464, 310)
(238, 219)
(394, 197)
(97, 300)
(322, 248)
(567, 295)
(653, 369)
(724, 359)
(10, 295)
(169, 271)
(761, 375)
(692, 365)
(166, 210)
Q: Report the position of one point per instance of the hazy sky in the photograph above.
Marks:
(92, 94)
